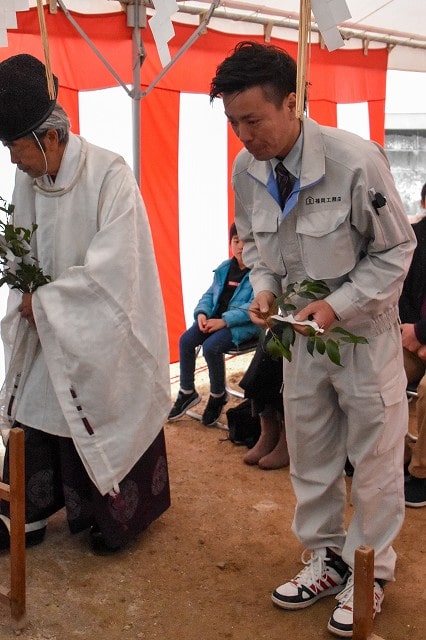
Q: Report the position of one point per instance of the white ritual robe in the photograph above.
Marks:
(96, 369)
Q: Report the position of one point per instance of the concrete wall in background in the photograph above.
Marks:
(405, 125)
(406, 150)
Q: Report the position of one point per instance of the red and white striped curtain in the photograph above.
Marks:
(186, 147)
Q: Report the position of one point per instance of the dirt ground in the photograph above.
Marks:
(205, 569)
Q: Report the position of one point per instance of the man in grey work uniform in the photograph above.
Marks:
(343, 223)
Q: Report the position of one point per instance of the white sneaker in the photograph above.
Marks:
(342, 618)
(325, 574)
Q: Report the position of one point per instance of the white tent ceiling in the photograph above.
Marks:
(398, 24)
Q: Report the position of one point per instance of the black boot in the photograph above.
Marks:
(98, 543)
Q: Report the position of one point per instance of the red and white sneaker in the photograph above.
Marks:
(325, 574)
(342, 618)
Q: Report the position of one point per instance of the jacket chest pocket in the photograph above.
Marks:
(326, 244)
(265, 232)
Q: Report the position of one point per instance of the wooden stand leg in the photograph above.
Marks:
(15, 494)
(364, 594)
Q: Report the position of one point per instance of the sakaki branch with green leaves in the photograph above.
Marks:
(18, 268)
(280, 324)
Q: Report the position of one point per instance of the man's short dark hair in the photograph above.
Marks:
(423, 193)
(252, 64)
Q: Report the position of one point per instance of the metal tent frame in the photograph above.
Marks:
(136, 13)
(136, 18)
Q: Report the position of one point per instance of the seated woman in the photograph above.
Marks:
(262, 383)
(221, 322)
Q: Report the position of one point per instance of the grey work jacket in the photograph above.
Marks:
(329, 229)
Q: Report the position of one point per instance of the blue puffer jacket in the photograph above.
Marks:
(236, 316)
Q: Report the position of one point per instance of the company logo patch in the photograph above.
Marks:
(311, 200)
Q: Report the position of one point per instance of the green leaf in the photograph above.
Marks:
(28, 275)
(310, 331)
(340, 330)
(287, 354)
(288, 334)
(289, 290)
(349, 337)
(279, 346)
(310, 345)
(354, 339)
(332, 349)
(307, 294)
(276, 349)
(317, 286)
(320, 345)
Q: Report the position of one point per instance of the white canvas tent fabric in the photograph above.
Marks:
(399, 24)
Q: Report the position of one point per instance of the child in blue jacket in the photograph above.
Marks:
(221, 323)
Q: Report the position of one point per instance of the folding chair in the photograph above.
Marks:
(14, 493)
(412, 390)
(412, 394)
(245, 347)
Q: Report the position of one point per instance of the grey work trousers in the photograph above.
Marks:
(357, 410)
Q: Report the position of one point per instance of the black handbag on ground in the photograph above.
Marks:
(244, 428)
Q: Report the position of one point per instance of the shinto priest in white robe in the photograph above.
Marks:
(96, 368)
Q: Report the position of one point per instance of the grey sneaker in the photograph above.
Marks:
(184, 401)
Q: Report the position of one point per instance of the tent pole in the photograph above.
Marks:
(92, 46)
(201, 29)
(136, 18)
(138, 57)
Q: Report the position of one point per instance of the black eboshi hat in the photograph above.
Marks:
(24, 96)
